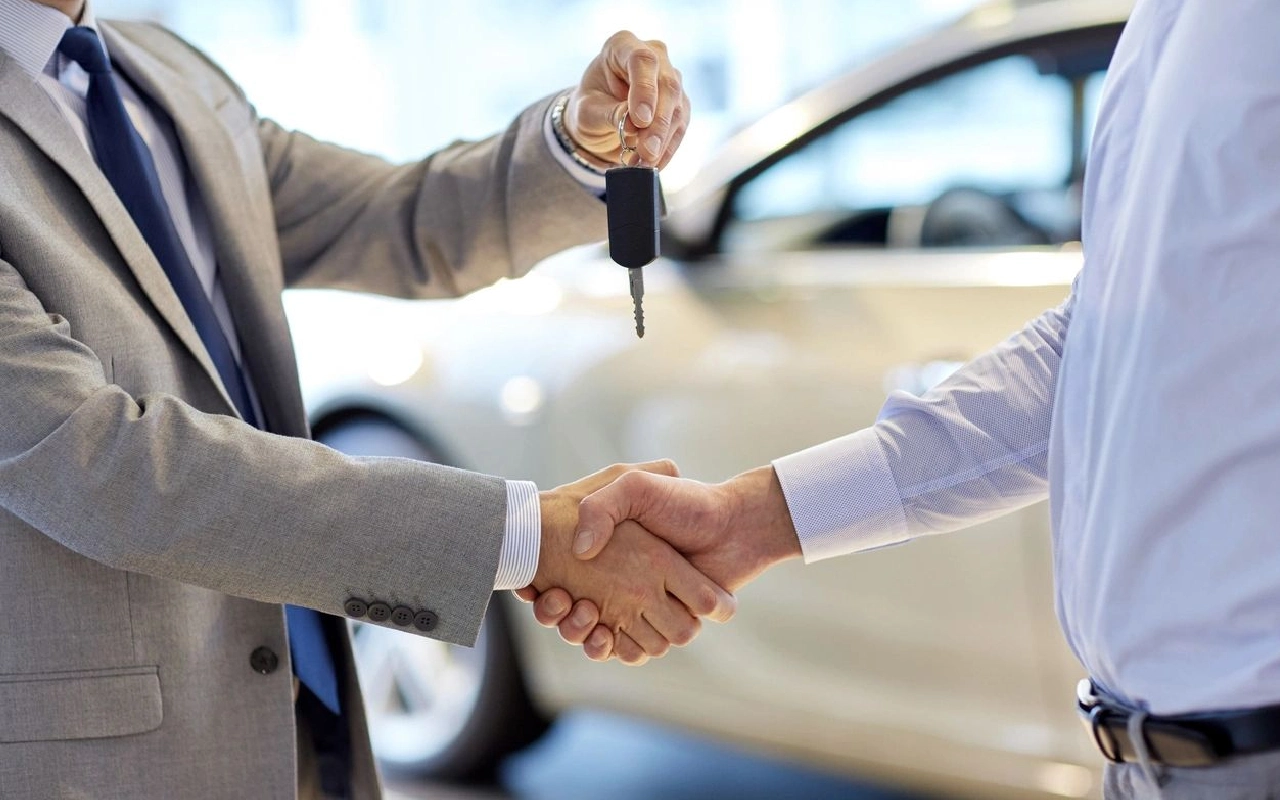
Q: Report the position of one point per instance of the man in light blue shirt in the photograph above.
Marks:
(1153, 427)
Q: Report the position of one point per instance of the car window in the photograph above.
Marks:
(981, 157)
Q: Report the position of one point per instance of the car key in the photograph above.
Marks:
(633, 205)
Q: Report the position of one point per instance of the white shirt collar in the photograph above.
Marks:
(30, 33)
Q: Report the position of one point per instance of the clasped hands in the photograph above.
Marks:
(634, 556)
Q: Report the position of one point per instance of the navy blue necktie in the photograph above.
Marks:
(125, 160)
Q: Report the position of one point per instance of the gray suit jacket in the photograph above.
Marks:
(147, 536)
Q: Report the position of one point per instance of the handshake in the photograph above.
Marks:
(633, 556)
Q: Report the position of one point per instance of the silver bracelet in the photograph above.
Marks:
(562, 135)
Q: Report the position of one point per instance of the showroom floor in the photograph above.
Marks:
(641, 761)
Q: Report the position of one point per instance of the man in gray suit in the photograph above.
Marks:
(162, 512)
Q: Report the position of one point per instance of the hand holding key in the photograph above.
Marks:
(631, 83)
(629, 75)
(632, 196)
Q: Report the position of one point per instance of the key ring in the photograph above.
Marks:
(622, 140)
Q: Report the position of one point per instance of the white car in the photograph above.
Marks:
(872, 235)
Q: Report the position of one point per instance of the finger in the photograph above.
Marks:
(673, 622)
(551, 607)
(654, 644)
(599, 646)
(528, 594)
(604, 509)
(703, 596)
(673, 144)
(653, 139)
(628, 651)
(636, 62)
(578, 625)
(606, 476)
(663, 466)
(596, 118)
(679, 124)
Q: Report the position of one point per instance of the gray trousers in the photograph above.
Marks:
(1255, 777)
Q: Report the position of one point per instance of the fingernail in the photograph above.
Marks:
(554, 605)
(581, 617)
(582, 542)
(598, 640)
(644, 114)
(654, 145)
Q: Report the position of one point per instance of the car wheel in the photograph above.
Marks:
(435, 709)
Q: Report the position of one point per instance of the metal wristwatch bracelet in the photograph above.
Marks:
(562, 134)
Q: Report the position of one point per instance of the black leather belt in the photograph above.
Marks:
(1184, 740)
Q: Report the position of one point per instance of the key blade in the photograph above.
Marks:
(637, 298)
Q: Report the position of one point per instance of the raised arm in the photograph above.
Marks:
(473, 212)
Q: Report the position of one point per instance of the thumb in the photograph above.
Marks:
(595, 119)
(629, 497)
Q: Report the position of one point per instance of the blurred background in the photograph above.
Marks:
(822, 249)
(401, 78)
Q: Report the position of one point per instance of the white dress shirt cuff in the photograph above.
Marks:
(842, 497)
(521, 538)
(591, 181)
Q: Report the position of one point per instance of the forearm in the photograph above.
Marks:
(451, 223)
(973, 448)
(153, 484)
(160, 488)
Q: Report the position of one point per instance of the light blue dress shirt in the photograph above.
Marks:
(1147, 406)
(30, 33)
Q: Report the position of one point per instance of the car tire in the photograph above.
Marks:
(485, 714)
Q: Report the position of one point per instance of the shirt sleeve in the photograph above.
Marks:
(521, 537)
(970, 449)
(591, 180)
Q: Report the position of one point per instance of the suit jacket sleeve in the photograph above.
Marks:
(153, 485)
(451, 223)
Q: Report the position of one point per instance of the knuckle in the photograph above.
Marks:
(657, 44)
(635, 595)
(645, 86)
(631, 481)
(619, 38)
(644, 57)
(670, 84)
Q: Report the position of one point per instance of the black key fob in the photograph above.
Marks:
(633, 202)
